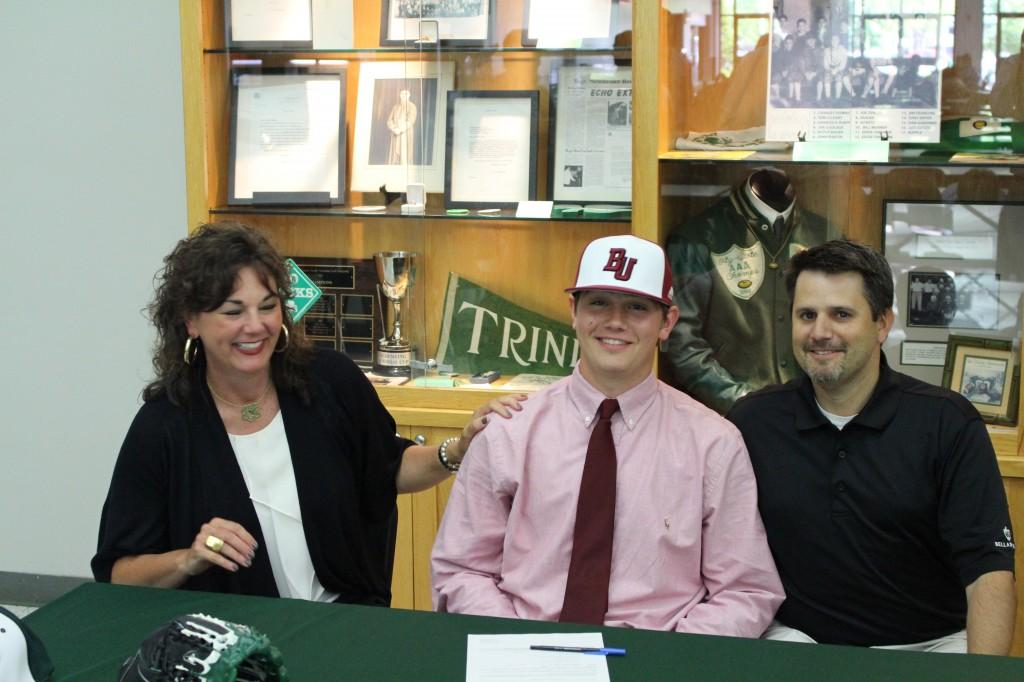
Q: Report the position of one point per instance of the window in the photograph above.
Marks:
(743, 24)
(1001, 36)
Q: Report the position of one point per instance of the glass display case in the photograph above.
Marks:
(441, 120)
(896, 124)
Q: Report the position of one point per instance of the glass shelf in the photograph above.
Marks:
(898, 156)
(505, 215)
(358, 53)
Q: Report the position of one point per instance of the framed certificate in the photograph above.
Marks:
(269, 23)
(399, 136)
(590, 135)
(461, 22)
(589, 24)
(287, 138)
(985, 372)
(491, 151)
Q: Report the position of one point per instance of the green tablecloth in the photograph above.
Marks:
(92, 629)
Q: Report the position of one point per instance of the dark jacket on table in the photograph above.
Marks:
(732, 338)
(177, 470)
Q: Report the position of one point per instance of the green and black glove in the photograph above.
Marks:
(201, 648)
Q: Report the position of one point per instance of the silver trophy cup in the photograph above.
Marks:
(396, 272)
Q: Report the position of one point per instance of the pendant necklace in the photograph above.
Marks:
(250, 411)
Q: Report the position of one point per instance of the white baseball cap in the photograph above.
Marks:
(626, 264)
(22, 656)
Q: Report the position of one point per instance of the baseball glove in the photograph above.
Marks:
(201, 648)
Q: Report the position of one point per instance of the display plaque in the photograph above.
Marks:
(346, 317)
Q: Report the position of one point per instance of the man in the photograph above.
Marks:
(880, 493)
(402, 124)
(682, 547)
(802, 34)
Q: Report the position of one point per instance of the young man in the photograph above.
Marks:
(880, 493)
(662, 534)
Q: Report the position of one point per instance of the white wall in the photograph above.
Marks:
(92, 196)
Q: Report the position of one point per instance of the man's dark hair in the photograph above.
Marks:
(844, 255)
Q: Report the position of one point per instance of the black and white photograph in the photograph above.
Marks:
(620, 113)
(452, 22)
(836, 75)
(434, 9)
(399, 129)
(572, 176)
(957, 300)
(403, 114)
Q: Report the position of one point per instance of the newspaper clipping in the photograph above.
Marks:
(592, 158)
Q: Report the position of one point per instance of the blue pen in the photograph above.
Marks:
(595, 651)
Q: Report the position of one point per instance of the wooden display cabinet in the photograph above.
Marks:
(679, 87)
(527, 261)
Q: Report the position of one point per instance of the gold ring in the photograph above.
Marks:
(214, 543)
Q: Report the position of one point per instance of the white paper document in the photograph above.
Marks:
(508, 657)
(271, 20)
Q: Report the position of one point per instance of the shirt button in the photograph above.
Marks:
(586, 420)
(784, 363)
(842, 454)
(632, 421)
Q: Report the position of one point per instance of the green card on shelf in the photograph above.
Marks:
(304, 292)
(871, 151)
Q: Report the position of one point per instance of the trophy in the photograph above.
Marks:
(396, 271)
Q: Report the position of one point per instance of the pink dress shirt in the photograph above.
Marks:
(689, 551)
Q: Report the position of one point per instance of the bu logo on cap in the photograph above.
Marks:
(619, 264)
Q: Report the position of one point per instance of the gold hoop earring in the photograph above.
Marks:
(191, 351)
(287, 339)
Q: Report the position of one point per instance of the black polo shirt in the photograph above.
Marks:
(876, 529)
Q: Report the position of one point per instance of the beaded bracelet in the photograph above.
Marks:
(442, 454)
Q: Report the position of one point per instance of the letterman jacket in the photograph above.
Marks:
(733, 333)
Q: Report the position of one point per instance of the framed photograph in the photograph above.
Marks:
(590, 136)
(956, 266)
(822, 88)
(491, 151)
(287, 143)
(262, 24)
(985, 372)
(586, 24)
(399, 135)
(953, 299)
(449, 22)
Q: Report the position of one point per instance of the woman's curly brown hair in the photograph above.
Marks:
(198, 276)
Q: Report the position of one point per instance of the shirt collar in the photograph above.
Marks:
(876, 413)
(632, 404)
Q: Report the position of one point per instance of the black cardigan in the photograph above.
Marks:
(177, 470)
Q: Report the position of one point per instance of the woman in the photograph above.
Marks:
(256, 465)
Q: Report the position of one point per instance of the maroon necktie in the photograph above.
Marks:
(586, 590)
